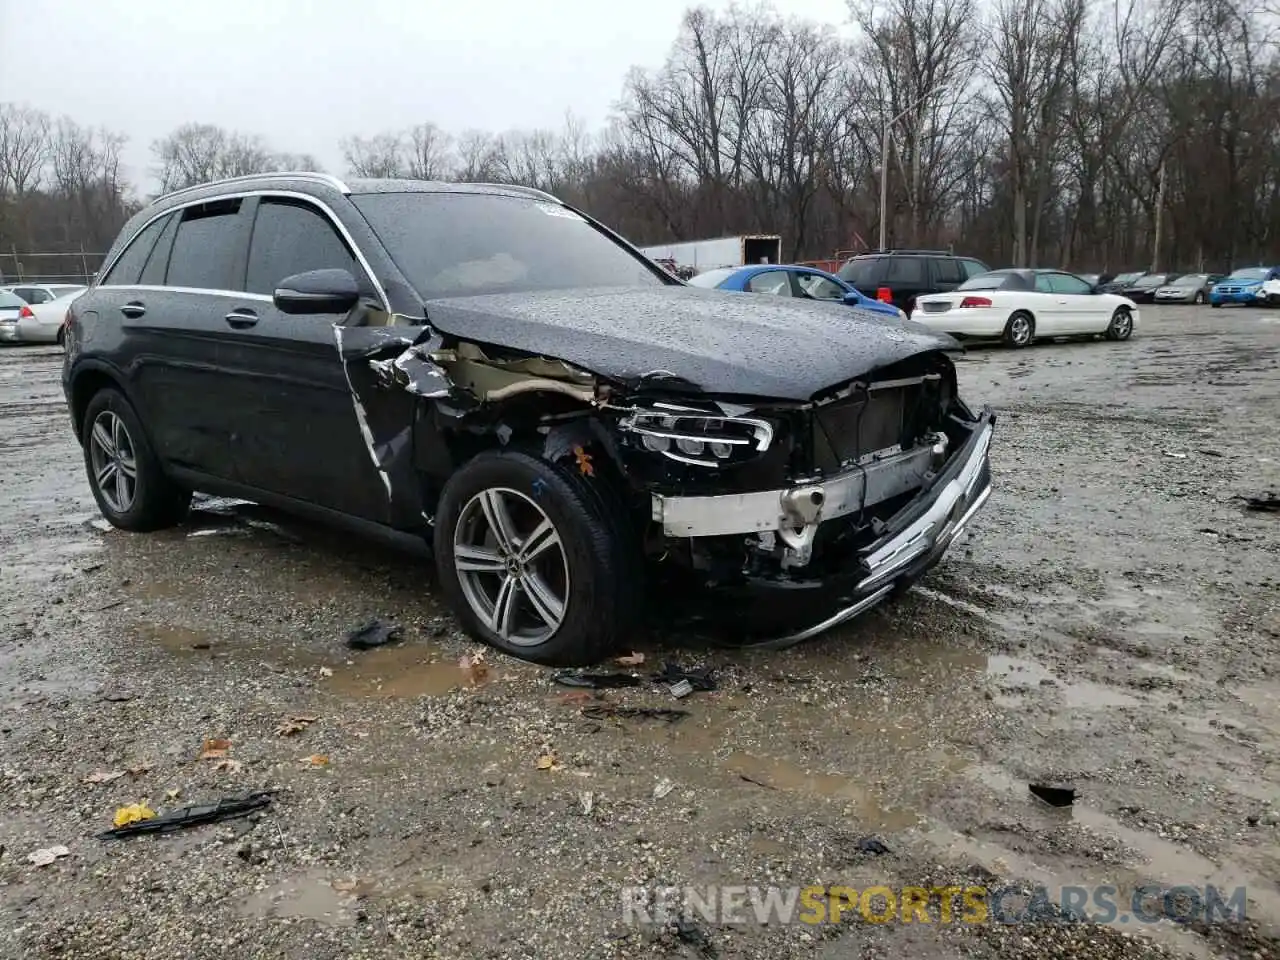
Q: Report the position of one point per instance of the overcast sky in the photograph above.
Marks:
(305, 74)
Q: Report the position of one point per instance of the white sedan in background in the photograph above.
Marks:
(1019, 306)
(42, 322)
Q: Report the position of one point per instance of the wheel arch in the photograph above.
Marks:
(87, 379)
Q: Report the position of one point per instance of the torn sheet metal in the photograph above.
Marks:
(361, 419)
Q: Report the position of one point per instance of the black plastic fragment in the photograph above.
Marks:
(1267, 503)
(227, 809)
(595, 681)
(375, 633)
(604, 710)
(872, 845)
(700, 679)
(1054, 796)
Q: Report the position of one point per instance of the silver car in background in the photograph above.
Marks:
(1188, 288)
(10, 305)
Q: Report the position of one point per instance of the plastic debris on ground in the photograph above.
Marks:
(662, 788)
(47, 855)
(872, 845)
(1054, 796)
(596, 681)
(588, 800)
(602, 711)
(191, 816)
(700, 679)
(629, 660)
(133, 813)
(375, 633)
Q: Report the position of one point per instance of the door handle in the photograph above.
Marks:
(241, 319)
(133, 308)
(1064, 302)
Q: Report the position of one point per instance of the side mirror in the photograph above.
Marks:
(317, 291)
(853, 298)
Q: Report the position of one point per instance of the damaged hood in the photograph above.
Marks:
(725, 343)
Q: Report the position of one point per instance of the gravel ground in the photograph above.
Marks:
(1111, 623)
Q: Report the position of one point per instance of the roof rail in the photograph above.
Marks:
(912, 252)
(518, 188)
(310, 176)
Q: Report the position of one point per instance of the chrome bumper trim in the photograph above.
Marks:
(848, 613)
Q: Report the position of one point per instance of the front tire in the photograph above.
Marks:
(532, 560)
(1121, 326)
(1020, 330)
(1199, 299)
(125, 475)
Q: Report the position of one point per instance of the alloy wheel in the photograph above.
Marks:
(1122, 324)
(511, 566)
(1020, 328)
(114, 463)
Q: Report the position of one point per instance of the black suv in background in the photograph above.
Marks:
(907, 274)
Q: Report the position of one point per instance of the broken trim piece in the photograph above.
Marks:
(365, 432)
(539, 385)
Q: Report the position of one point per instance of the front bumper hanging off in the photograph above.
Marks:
(913, 541)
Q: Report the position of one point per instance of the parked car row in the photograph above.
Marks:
(35, 313)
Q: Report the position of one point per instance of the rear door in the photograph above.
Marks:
(906, 277)
(947, 274)
(173, 321)
(299, 425)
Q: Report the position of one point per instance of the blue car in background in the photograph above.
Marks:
(1243, 286)
(789, 281)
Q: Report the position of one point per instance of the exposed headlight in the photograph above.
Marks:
(695, 437)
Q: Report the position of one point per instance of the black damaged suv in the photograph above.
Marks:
(487, 369)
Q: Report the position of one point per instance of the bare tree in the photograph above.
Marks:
(378, 156)
(24, 148)
(476, 156)
(200, 152)
(429, 153)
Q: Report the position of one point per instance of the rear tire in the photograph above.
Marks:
(568, 603)
(1121, 326)
(125, 476)
(1020, 330)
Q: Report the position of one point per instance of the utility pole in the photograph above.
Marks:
(884, 162)
(1155, 243)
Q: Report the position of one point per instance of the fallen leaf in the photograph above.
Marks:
(214, 749)
(326, 671)
(104, 777)
(576, 696)
(630, 660)
(173, 794)
(584, 462)
(474, 667)
(294, 724)
(662, 788)
(229, 765)
(139, 770)
(46, 856)
(548, 761)
(315, 760)
(133, 813)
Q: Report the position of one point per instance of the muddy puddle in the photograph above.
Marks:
(1019, 679)
(403, 670)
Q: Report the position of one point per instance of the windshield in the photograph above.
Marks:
(1126, 278)
(1152, 281)
(1191, 279)
(1249, 273)
(713, 278)
(462, 244)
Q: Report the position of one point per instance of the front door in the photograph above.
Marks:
(302, 430)
(1083, 312)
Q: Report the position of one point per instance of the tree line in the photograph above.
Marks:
(1087, 134)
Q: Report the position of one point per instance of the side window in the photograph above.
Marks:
(861, 273)
(773, 281)
(291, 238)
(153, 273)
(207, 247)
(1065, 283)
(908, 270)
(973, 268)
(128, 268)
(1044, 284)
(820, 288)
(40, 296)
(26, 293)
(947, 270)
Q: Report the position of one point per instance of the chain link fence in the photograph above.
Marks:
(77, 267)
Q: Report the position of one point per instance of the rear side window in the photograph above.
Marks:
(1065, 283)
(861, 273)
(158, 262)
(291, 238)
(207, 247)
(905, 270)
(946, 270)
(973, 268)
(128, 268)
